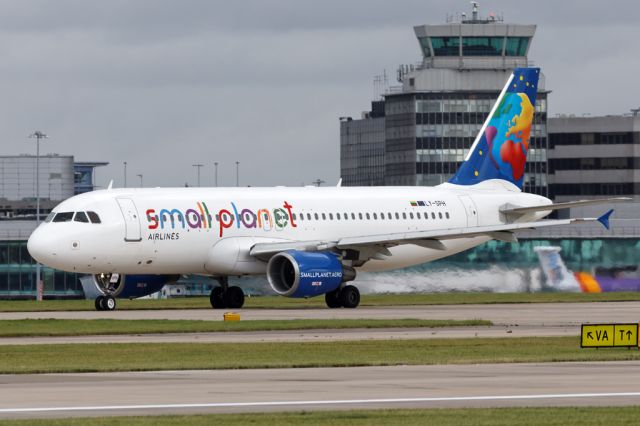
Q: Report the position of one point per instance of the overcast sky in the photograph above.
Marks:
(167, 84)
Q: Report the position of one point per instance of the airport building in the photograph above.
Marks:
(59, 178)
(592, 157)
(420, 131)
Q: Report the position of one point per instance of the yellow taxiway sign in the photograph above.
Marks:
(609, 335)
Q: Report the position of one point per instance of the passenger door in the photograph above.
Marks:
(132, 231)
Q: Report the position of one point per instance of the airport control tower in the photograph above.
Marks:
(420, 131)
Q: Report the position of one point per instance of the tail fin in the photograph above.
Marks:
(559, 278)
(500, 149)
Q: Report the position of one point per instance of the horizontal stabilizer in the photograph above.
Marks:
(604, 219)
(560, 206)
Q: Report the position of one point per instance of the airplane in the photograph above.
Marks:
(560, 278)
(308, 241)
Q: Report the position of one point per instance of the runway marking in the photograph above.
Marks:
(320, 402)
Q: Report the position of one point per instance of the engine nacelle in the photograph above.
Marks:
(306, 274)
(124, 286)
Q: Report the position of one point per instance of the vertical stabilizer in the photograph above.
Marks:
(500, 149)
(558, 276)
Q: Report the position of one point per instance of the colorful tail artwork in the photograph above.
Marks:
(500, 149)
(561, 279)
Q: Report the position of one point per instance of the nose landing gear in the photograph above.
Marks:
(109, 285)
(224, 296)
(105, 303)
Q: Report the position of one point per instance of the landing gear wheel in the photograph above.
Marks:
(216, 299)
(108, 303)
(234, 297)
(98, 303)
(350, 296)
(333, 299)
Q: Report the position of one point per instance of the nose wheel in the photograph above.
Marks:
(105, 303)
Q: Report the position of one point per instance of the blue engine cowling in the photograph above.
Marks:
(295, 273)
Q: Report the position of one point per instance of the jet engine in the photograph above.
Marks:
(296, 273)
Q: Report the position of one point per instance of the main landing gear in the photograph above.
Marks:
(105, 303)
(345, 297)
(224, 296)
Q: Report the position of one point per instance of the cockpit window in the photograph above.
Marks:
(94, 217)
(63, 217)
(50, 217)
(81, 217)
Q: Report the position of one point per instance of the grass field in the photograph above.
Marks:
(582, 416)
(194, 356)
(73, 327)
(277, 302)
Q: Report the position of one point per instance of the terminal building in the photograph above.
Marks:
(59, 178)
(421, 131)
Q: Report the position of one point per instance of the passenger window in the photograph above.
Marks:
(301, 216)
(346, 216)
(433, 215)
(81, 217)
(330, 216)
(389, 216)
(411, 215)
(404, 215)
(368, 216)
(418, 215)
(353, 216)
(375, 216)
(397, 215)
(338, 216)
(324, 216)
(440, 215)
(50, 217)
(360, 216)
(63, 217)
(308, 216)
(447, 215)
(93, 217)
(294, 216)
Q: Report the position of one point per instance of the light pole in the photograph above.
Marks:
(37, 135)
(237, 173)
(140, 176)
(198, 166)
(215, 165)
(125, 174)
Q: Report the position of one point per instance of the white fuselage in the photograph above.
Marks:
(211, 230)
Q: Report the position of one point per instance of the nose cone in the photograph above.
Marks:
(40, 246)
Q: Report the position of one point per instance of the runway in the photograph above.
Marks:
(520, 314)
(182, 392)
(222, 391)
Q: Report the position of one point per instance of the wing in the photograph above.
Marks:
(431, 239)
